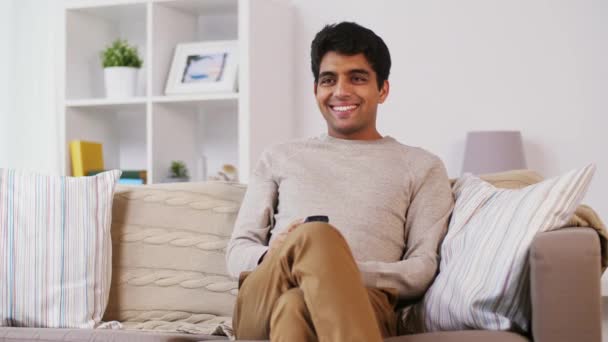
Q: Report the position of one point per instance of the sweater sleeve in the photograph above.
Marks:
(426, 225)
(249, 240)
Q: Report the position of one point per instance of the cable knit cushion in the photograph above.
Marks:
(169, 244)
(55, 249)
(483, 280)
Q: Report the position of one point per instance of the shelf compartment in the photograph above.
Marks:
(188, 132)
(184, 21)
(121, 131)
(91, 29)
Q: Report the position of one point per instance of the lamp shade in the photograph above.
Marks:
(493, 151)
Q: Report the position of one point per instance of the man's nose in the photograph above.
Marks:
(343, 88)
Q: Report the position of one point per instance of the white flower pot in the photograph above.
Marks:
(120, 82)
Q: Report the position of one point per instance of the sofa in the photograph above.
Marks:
(169, 280)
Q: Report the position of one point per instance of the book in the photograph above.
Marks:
(130, 181)
(126, 174)
(141, 174)
(86, 156)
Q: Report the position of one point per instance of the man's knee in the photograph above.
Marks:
(320, 231)
(314, 244)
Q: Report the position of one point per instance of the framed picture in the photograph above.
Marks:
(203, 67)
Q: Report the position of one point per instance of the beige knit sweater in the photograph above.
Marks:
(391, 202)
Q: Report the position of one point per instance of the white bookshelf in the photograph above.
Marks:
(151, 129)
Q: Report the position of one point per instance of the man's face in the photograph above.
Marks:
(348, 96)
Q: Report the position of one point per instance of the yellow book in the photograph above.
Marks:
(86, 156)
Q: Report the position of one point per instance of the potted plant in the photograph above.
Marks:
(121, 63)
(178, 172)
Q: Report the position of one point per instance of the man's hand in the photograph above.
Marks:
(277, 242)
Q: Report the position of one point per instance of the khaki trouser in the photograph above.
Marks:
(310, 289)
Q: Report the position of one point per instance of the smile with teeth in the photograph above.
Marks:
(344, 108)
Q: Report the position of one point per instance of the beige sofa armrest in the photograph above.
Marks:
(565, 286)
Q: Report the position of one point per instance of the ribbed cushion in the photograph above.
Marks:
(55, 249)
(483, 280)
(169, 244)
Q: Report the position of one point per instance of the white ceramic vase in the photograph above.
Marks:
(120, 82)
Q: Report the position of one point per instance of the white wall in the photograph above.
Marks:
(28, 101)
(6, 63)
(540, 67)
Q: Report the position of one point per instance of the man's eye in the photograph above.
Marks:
(326, 81)
(359, 79)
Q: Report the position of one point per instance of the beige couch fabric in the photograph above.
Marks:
(169, 272)
(565, 286)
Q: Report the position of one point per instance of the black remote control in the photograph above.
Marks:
(316, 218)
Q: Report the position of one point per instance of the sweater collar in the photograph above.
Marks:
(328, 138)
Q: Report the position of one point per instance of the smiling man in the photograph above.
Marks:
(388, 206)
(348, 92)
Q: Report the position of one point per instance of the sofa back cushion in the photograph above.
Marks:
(169, 241)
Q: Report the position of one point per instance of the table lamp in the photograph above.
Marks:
(493, 151)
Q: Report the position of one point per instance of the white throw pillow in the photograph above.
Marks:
(483, 280)
(55, 248)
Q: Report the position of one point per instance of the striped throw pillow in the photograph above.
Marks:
(55, 249)
(483, 280)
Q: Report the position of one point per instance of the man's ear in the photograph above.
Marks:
(315, 88)
(384, 91)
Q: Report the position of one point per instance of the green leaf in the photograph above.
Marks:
(120, 53)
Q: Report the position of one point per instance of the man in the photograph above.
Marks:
(388, 206)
